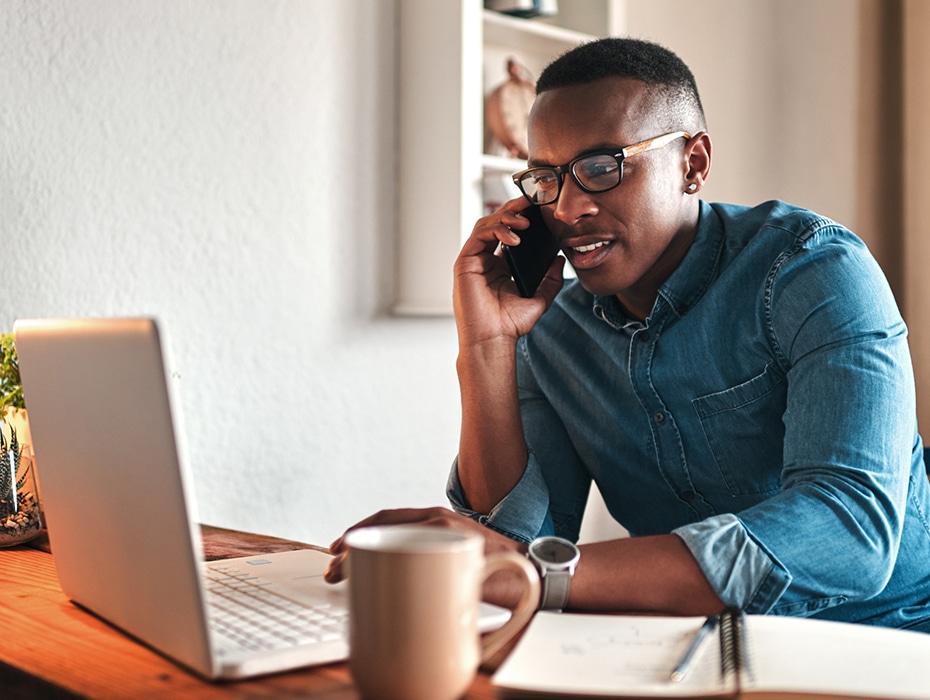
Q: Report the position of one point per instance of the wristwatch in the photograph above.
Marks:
(555, 558)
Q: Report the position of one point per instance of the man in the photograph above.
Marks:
(736, 381)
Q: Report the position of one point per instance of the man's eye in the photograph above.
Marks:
(598, 167)
(545, 179)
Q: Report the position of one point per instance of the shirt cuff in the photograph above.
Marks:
(740, 571)
(522, 515)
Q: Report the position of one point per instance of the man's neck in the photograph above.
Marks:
(637, 307)
(639, 300)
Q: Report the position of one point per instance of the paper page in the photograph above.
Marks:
(814, 656)
(610, 655)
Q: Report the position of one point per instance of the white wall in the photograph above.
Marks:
(227, 166)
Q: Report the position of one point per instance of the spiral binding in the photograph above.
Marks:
(735, 662)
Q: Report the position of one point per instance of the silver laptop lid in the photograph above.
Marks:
(112, 478)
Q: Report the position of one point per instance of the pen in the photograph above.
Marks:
(681, 669)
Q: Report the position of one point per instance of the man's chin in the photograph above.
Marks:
(598, 284)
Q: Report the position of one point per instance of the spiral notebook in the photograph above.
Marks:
(745, 656)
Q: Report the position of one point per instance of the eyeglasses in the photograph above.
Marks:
(597, 171)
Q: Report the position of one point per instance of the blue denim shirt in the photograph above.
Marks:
(764, 412)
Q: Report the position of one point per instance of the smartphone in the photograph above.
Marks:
(530, 260)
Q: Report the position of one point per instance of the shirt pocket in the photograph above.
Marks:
(744, 430)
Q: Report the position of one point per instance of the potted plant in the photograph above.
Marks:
(19, 501)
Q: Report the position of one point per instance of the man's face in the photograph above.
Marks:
(628, 240)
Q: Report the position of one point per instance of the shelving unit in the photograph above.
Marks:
(451, 54)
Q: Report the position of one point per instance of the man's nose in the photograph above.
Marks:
(573, 202)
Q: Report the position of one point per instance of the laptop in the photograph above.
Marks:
(117, 497)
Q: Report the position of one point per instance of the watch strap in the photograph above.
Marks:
(555, 586)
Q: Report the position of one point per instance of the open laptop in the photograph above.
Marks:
(116, 493)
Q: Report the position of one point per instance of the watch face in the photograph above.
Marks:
(554, 551)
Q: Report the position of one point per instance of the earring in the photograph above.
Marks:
(692, 187)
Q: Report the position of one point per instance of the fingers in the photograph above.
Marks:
(335, 572)
(436, 517)
(399, 516)
(482, 276)
(500, 227)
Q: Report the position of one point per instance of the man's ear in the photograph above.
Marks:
(698, 158)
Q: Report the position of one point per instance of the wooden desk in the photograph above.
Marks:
(50, 648)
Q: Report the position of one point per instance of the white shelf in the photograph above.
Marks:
(528, 35)
(502, 165)
(451, 54)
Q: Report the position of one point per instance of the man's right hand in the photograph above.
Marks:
(488, 307)
(490, 316)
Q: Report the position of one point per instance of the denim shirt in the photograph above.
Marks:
(764, 412)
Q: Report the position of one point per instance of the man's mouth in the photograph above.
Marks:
(588, 248)
(588, 255)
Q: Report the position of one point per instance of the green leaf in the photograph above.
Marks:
(11, 389)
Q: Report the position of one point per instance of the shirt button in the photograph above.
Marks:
(688, 496)
(659, 417)
(644, 336)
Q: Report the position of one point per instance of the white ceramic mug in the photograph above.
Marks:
(414, 592)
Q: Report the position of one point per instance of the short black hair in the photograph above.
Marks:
(656, 66)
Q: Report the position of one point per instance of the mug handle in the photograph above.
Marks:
(492, 643)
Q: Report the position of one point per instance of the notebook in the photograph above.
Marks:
(571, 655)
(117, 498)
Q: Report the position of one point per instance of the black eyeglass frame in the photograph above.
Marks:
(625, 152)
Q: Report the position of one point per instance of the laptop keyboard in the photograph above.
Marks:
(248, 613)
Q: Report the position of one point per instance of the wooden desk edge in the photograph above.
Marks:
(222, 543)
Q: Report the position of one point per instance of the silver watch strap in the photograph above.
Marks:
(555, 589)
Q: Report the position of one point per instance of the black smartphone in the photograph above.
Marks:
(530, 260)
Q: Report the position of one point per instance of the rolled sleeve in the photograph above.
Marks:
(740, 571)
(522, 515)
